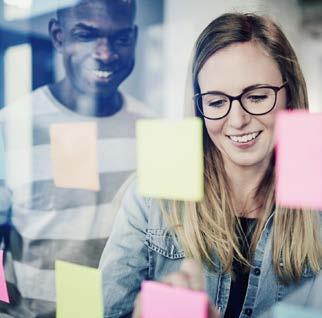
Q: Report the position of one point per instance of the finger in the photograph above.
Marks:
(137, 307)
(213, 312)
(193, 271)
(177, 279)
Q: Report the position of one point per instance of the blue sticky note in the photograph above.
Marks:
(2, 166)
(283, 310)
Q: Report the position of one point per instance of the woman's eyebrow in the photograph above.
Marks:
(248, 88)
(255, 86)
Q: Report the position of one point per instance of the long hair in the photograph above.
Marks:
(212, 226)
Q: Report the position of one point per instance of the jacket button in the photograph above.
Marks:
(257, 271)
(248, 311)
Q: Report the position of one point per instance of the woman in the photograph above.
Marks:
(253, 252)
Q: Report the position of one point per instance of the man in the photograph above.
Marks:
(97, 40)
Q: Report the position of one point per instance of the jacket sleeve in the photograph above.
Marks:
(124, 262)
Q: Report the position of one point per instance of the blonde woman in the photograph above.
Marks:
(253, 252)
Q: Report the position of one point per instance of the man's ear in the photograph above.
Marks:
(56, 34)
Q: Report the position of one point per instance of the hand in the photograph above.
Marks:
(189, 276)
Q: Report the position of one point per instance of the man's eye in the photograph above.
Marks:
(123, 41)
(82, 36)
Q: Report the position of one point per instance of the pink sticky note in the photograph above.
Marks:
(3, 286)
(163, 301)
(74, 155)
(299, 159)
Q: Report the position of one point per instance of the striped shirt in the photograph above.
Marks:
(40, 222)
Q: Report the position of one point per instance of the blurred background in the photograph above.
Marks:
(168, 29)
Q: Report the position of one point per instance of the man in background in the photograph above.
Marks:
(42, 222)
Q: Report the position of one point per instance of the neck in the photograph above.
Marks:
(86, 104)
(244, 181)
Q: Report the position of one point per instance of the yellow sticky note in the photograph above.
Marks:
(78, 291)
(74, 155)
(170, 159)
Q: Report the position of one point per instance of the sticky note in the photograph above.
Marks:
(170, 159)
(3, 286)
(283, 310)
(160, 301)
(74, 155)
(78, 291)
(299, 159)
(2, 157)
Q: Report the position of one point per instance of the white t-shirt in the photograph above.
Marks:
(50, 223)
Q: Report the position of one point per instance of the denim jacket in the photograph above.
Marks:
(141, 248)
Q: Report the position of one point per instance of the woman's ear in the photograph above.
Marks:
(56, 34)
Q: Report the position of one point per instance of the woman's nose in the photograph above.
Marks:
(238, 117)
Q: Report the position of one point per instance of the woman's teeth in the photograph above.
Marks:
(244, 138)
(102, 74)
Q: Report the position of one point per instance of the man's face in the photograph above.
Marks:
(98, 46)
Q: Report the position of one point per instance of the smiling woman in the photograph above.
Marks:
(253, 253)
(241, 137)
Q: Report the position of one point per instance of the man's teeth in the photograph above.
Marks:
(245, 138)
(102, 74)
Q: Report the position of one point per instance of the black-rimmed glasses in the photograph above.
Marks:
(255, 101)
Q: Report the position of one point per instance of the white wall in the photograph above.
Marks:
(311, 61)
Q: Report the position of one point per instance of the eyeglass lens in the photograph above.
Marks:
(257, 101)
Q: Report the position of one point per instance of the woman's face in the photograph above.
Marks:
(231, 70)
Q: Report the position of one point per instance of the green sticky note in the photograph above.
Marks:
(170, 159)
(283, 310)
(78, 291)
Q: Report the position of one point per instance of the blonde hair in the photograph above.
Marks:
(205, 227)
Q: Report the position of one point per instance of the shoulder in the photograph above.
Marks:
(134, 205)
(136, 107)
(34, 103)
(131, 194)
(39, 92)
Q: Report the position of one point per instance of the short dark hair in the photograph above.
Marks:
(130, 5)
